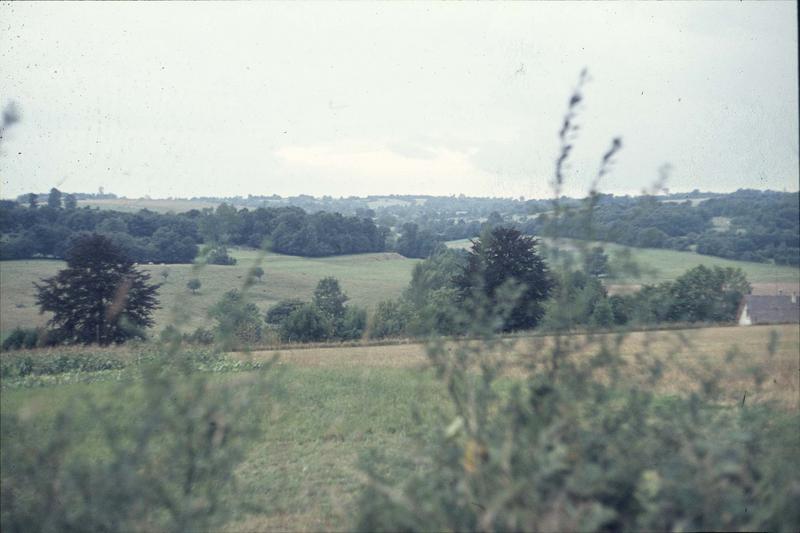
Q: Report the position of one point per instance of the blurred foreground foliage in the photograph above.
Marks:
(580, 444)
(166, 465)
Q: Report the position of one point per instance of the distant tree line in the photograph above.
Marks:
(759, 226)
(747, 225)
(31, 230)
(762, 226)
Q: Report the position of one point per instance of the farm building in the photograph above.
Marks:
(773, 309)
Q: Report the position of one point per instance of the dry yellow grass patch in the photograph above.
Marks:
(732, 354)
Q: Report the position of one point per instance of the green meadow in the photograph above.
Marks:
(366, 278)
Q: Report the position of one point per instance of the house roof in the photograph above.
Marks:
(773, 309)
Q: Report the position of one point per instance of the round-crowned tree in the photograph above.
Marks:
(100, 297)
(503, 256)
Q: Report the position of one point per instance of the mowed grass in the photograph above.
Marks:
(665, 265)
(366, 278)
(337, 404)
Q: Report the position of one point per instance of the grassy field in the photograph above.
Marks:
(664, 265)
(366, 278)
(338, 403)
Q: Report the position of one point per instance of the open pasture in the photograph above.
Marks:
(366, 278)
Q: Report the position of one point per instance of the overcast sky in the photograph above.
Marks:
(171, 99)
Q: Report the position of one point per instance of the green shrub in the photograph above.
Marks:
(391, 319)
(193, 285)
(29, 338)
(281, 310)
(219, 256)
(436, 314)
(352, 325)
(238, 321)
(169, 334)
(200, 336)
(306, 324)
(15, 340)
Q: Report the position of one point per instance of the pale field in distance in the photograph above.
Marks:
(177, 205)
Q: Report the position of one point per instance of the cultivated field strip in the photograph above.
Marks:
(728, 353)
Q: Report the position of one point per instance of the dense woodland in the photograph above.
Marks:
(749, 225)
(762, 226)
(30, 231)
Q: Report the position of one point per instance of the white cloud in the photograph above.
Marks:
(380, 168)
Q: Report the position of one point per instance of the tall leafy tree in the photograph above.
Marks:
(499, 258)
(100, 297)
(708, 294)
(329, 298)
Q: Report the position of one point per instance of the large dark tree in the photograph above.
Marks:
(100, 297)
(501, 257)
